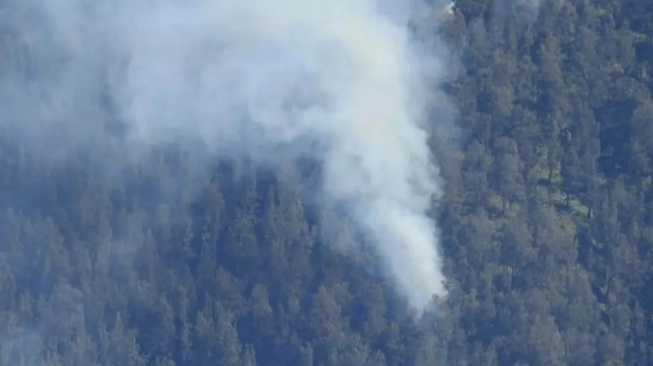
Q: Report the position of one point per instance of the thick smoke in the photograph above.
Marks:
(341, 82)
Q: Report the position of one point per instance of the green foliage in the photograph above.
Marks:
(547, 227)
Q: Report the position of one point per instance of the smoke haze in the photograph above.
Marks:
(340, 82)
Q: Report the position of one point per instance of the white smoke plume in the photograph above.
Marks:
(340, 81)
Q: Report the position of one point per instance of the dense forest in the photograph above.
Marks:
(547, 225)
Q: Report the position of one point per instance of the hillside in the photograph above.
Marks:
(546, 219)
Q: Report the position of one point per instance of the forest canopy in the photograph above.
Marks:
(545, 221)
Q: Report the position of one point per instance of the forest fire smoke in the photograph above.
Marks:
(336, 81)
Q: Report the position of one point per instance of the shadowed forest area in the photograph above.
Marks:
(547, 226)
